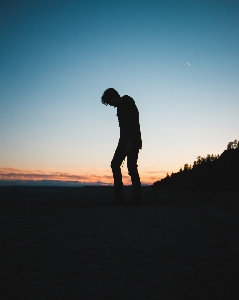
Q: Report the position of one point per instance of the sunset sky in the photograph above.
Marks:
(179, 60)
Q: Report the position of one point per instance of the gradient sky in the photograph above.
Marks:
(178, 59)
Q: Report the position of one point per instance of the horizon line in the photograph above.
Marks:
(14, 174)
(63, 183)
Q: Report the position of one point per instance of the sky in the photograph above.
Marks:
(179, 60)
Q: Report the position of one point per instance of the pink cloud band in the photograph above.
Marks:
(17, 174)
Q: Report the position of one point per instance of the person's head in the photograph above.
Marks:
(110, 97)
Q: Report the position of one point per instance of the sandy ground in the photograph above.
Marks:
(73, 244)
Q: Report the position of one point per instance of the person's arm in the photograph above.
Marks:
(132, 121)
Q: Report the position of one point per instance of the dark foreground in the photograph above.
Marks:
(59, 243)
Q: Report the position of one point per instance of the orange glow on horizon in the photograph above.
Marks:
(38, 175)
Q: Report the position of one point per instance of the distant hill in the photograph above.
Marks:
(48, 183)
(213, 173)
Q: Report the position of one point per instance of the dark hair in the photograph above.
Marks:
(109, 94)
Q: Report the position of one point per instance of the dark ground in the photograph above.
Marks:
(70, 243)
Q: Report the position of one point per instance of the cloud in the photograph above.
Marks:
(38, 175)
(17, 174)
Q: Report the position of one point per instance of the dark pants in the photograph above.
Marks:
(132, 157)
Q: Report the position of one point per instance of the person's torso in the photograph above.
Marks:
(128, 117)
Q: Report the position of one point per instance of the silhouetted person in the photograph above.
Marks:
(129, 143)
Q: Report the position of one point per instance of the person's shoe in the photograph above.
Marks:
(135, 200)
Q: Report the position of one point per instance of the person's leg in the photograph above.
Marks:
(119, 156)
(132, 158)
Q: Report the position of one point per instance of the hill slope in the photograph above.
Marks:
(215, 173)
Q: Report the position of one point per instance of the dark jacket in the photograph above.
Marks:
(128, 117)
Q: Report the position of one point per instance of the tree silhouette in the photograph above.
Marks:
(212, 172)
(233, 145)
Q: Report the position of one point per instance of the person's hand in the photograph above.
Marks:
(129, 146)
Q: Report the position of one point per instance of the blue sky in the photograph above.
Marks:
(57, 58)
